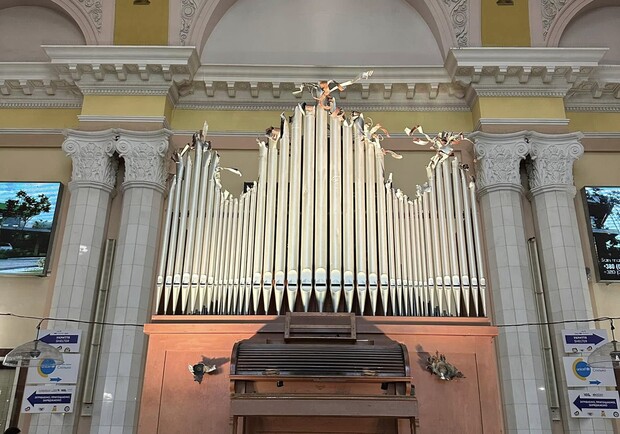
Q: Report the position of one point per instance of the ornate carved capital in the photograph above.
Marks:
(91, 152)
(144, 153)
(553, 156)
(498, 157)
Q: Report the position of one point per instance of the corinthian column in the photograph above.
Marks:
(551, 185)
(520, 363)
(123, 349)
(92, 182)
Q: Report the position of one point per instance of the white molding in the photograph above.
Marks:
(522, 121)
(601, 135)
(40, 103)
(602, 107)
(32, 131)
(137, 119)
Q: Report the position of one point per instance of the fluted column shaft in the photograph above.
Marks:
(92, 182)
(520, 362)
(563, 269)
(124, 347)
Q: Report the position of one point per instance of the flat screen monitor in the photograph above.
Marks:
(603, 209)
(28, 217)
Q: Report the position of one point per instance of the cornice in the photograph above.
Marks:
(468, 73)
(480, 57)
(124, 70)
(387, 106)
(127, 54)
(303, 73)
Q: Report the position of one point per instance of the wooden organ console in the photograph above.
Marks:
(322, 229)
(321, 370)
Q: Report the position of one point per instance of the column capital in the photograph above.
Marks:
(92, 155)
(498, 157)
(553, 156)
(144, 153)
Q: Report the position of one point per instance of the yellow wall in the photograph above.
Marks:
(39, 118)
(518, 107)
(593, 122)
(141, 25)
(505, 26)
(258, 121)
(123, 105)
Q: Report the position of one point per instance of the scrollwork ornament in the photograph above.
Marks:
(144, 160)
(498, 163)
(552, 164)
(94, 10)
(92, 161)
(459, 14)
(550, 9)
(188, 9)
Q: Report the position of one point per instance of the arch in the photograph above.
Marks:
(567, 14)
(202, 19)
(596, 28)
(51, 27)
(94, 19)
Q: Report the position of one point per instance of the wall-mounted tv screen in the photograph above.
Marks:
(28, 215)
(603, 207)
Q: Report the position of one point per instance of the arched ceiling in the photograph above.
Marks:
(595, 28)
(23, 29)
(322, 32)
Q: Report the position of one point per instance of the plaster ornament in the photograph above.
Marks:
(438, 365)
(200, 369)
(443, 143)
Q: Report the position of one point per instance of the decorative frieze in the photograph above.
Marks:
(498, 157)
(144, 153)
(92, 156)
(553, 156)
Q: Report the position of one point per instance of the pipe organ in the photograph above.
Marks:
(322, 229)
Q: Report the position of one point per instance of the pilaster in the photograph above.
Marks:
(499, 187)
(93, 180)
(563, 269)
(120, 374)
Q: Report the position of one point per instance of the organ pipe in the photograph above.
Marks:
(321, 218)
